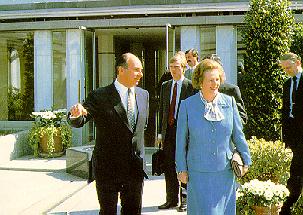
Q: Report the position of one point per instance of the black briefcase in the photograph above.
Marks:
(158, 162)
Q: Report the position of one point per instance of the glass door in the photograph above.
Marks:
(88, 132)
(170, 49)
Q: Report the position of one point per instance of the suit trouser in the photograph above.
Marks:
(183, 194)
(172, 184)
(130, 196)
(294, 183)
(293, 137)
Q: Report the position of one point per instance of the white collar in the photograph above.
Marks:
(121, 88)
(179, 82)
(298, 75)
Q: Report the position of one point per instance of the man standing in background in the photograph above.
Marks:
(292, 126)
(172, 92)
(192, 58)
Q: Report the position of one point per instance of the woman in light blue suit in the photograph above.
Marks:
(208, 124)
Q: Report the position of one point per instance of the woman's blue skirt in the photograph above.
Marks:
(211, 193)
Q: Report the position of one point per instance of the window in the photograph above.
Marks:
(17, 75)
(208, 41)
(59, 70)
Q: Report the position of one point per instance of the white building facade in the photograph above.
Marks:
(54, 52)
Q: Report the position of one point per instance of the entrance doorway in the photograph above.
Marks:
(150, 45)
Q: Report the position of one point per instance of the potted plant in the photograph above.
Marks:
(264, 197)
(50, 134)
(270, 161)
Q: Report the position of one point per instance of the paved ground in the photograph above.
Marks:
(85, 201)
(31, 186)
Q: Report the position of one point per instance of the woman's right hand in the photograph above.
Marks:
(183, 177)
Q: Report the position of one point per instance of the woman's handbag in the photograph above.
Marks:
(158, 162)
(237, 164)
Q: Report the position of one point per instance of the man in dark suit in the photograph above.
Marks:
(165, 77)
(292, 125)
(120, 112)
(234, 90)
(172, 92)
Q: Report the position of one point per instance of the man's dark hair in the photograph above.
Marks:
(194, 52)
(214, 57)
(121, 60)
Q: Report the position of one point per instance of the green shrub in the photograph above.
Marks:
(267, 35)
(298, 207)
(28, 77)
(297, 40)
(15, 104)
(270, 161)
(6, 132)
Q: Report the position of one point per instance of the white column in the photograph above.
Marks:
(43, 70)
(4, 79)
(190, 38)
(226, 48)
(75, 74)
(106, 59)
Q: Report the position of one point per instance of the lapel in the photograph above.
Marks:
(140, 105)
(114, 97)
(286, 92)
(222, 103)
(300, 87)
(166, 96)
(183, 90)
(197, 102)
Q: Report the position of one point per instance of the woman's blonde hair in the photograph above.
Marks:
(205, 66)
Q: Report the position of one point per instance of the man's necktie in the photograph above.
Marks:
(294, 89)
(130, 110)
(171, 114)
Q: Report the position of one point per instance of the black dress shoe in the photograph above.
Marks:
(182, 208)
(167, 205)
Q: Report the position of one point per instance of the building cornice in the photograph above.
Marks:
(123, 23)
(145, 10)
(127, 17)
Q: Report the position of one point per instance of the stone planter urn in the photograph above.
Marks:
(269, 210)
(58, 149)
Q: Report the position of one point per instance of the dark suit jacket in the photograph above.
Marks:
(292, 129)
(117, 149)
(186, 91)
(233, 90)
(165, 77)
